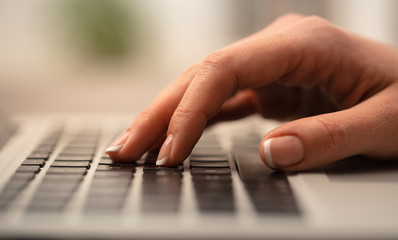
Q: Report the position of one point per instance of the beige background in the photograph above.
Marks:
(39, 72)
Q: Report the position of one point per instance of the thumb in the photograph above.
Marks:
(367, 128)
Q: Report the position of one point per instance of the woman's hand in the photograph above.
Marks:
(341, 88)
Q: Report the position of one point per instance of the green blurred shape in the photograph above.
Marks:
(100, 28)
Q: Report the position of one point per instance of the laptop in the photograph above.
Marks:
(57, 183)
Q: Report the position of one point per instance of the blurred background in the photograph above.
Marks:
(115, 56)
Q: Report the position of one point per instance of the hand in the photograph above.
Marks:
(341, 88)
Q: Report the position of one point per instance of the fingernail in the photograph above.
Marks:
(165, 151)
(283, 151)
(119, 142)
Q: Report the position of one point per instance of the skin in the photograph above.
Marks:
(340, 91)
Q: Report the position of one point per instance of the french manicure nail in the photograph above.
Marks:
(165, 151)
(113, 148)
(283, 151)
(119, 142)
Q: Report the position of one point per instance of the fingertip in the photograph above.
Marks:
(165, 151)
(282, 152)
(113, 149)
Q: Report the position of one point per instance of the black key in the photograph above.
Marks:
(251, 167)
(112, 163)
(113, 174)
(208, 152)
(43, 196)
(80, 164)
(74, 158)
(209, 158)
(42, 145)
(79, 148)
(58, 187)
(127, 168)
(6, 197)
(33, 169)
(210, 171)
(23, 176)
(78, 151)
(106, 161)
(40, 206)
(44, 148)
(217, 207)
(162, 173)
(104, 183)
(213, 186)
(55, 179)
(34, 162)
(39, 156)
(65, 170)
(15, 185)
(209, 178)
(109, 191)
(82, 144)
(76, 154)
(103, 208)
(161, 168)
(99, 202)
(206, 164)
(151, 157)
(269, 191)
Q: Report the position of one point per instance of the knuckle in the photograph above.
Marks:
(185, 115)
(215, 61)
(289, 16)
(190, 71)
(316, 21)
(333, 135)
(149, 115)
(320, 27)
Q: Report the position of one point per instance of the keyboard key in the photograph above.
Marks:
(33, 169)
(67, 170)
(177, 168)
(206, 164)
(268, 190)
(127, 168)
(76, 154)
(39, 156)
(34, 162)
(205, 178)
(105, 201)
(22, 176)
(251, 167)
(113, 174)
(209, 158)
(44, 148)
(104, 183)
(40, 206)
(74, 158)
(210, 171)
(78, 151)
(106, 161)
(108, 191)
(55, 179)
(216, 206)
(6, 198)
(58, 187)
(15, 185)
(80, 164)
(43, 196)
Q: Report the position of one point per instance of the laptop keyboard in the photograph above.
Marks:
(63, 169)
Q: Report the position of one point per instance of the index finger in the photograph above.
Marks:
(239, 66)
